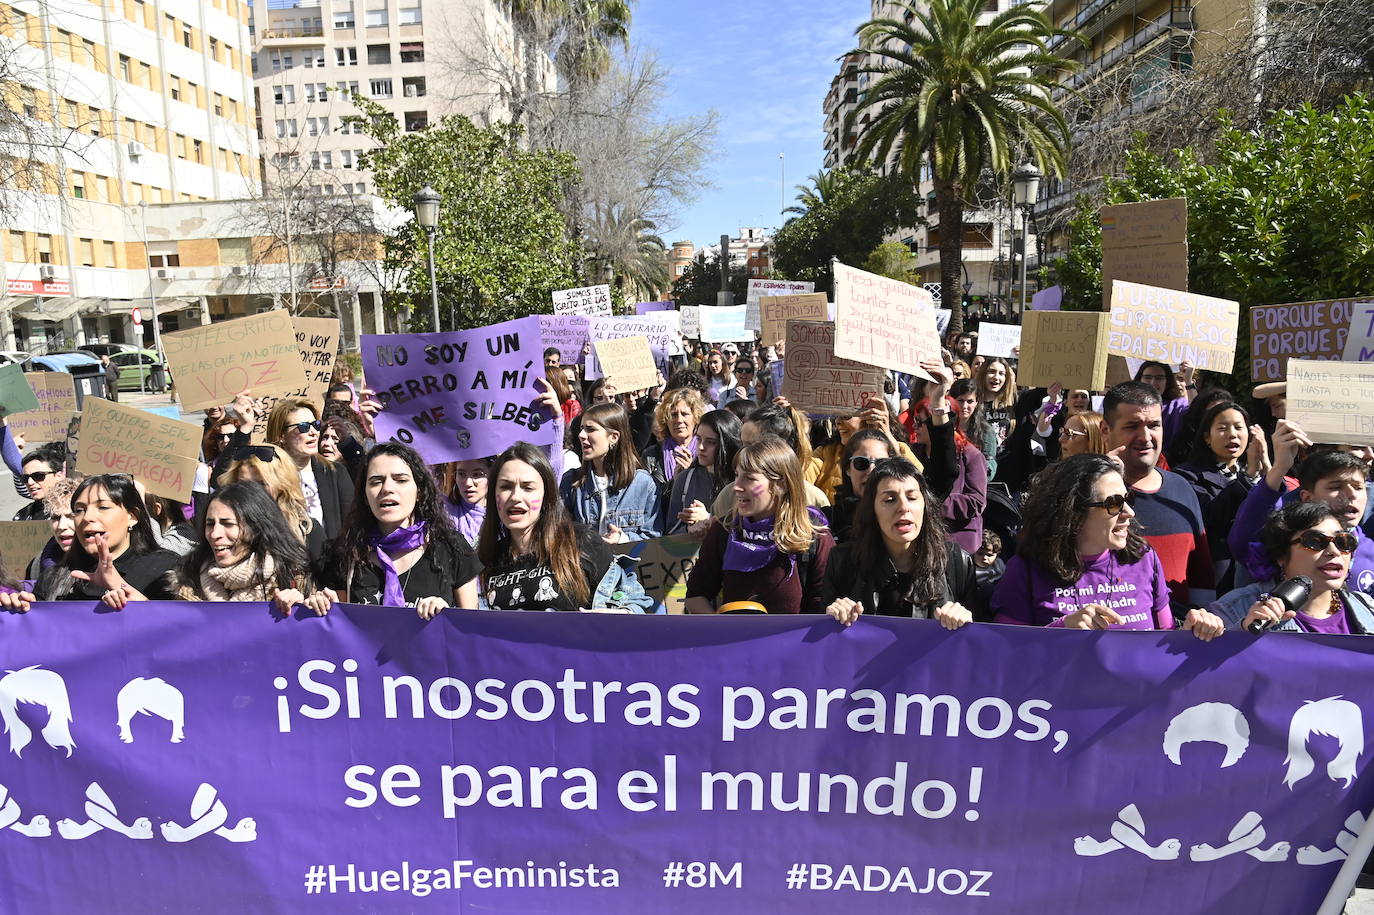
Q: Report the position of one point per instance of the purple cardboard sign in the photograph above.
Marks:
(1048, 299)
(206, 757)
(460, 395)
(644, 308)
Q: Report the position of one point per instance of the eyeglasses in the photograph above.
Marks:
(305, 427)
(38, 477)
(1066, 432)
(1112, 504)
(261, 452)
(1317, 542)
(224, 436)
(744, 370)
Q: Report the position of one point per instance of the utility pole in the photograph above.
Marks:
(725, 297)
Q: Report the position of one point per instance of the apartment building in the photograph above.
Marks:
(419, 61)
(840, 102)
(680, 257)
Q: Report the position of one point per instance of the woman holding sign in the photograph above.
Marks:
(1082, 563)
(610, 492)
(399, 548)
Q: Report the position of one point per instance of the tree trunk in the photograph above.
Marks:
(949, 202)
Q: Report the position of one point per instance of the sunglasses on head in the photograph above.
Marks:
(261, 452)
(306, 426)
(1317, 542)
(1112, 504)
(38, 477)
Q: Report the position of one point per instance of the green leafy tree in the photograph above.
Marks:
(501, 248)
(700, 282)
(1284, 213)
(853, 216)
(815, 195)
(893, 260)
(957, 94)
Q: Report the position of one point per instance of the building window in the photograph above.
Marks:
(375, 18)
(214, 49)
(346, 57)
(126, 72)
(186, 35)
(379, 53)
(410, 16)
(412, 52)
(286, 128)
(45, 249)
(313, 59)
(343, 16)
(174, 89)
(164, 260)
(416, 120)
(85, 252)
(78, 188)
(380, 88)
(107, 252)
(198, 151)
(413, 87)
(219, 104)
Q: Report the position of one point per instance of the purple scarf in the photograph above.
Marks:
(751, 545)
(670, 450)
(402, 540)
(467, 517)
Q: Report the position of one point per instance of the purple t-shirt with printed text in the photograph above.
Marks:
(1138, 591)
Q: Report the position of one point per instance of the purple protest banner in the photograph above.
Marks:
(644, 308)
(460, 395)
(206, 757)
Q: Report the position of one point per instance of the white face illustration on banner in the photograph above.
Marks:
(1208, 722)
(150, 696)
(1330, 717)
(36, 686)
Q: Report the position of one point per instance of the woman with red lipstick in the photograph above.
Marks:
(1305, 538)
(771, 549)
(398, 547)
(1227, 458)
(900, 562)
(1082, 563)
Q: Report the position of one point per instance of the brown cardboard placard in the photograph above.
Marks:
(1069, 347)
(627, 363)
(318, 340)
(663, 567)
(776, 310)
(161, 453)
(1169, 326)
(815, 380)
(20, 541)
(1145, 242)
(1298, 330)
(213, 363)
(56, 393)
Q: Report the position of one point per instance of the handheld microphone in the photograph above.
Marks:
(1293, 593)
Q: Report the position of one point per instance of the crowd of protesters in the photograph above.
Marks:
(955, 495)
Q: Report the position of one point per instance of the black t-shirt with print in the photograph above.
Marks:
(523, 584)
(439, 571)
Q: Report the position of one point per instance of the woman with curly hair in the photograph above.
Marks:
(677, 415)
(900, 562)
(398, 547)
(1082, 563)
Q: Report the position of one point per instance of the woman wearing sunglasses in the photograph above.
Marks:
(294, 423)
(1306, 539)
(1082, 563)
(863, 450)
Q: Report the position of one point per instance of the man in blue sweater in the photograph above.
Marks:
(1334, 477)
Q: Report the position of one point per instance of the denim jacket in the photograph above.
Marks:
(634, 509)
(1234, 606)
(620, 587)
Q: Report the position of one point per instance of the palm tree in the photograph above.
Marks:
(821, 189)
(638, 257)
(959, 96)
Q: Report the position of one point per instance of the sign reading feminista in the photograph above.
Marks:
(180, 756)
(463, 394)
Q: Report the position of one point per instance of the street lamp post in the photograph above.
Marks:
(427, 214)
(1025, 188)
(152, 292)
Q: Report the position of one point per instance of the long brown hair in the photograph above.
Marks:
(621, 459)
(555, 538)
(771, 457)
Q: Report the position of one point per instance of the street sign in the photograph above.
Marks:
(138, 316)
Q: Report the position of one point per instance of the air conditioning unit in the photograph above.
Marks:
(135, 150)
(47, 272)
(164, 274)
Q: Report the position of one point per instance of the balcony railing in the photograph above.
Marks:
(293, 31)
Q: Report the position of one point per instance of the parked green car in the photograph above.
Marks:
(140, 371)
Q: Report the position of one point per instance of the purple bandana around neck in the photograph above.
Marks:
(670, 450)
(467, 517)
(751, 545)
(402, 540)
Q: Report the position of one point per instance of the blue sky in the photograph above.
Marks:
(766, 68)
